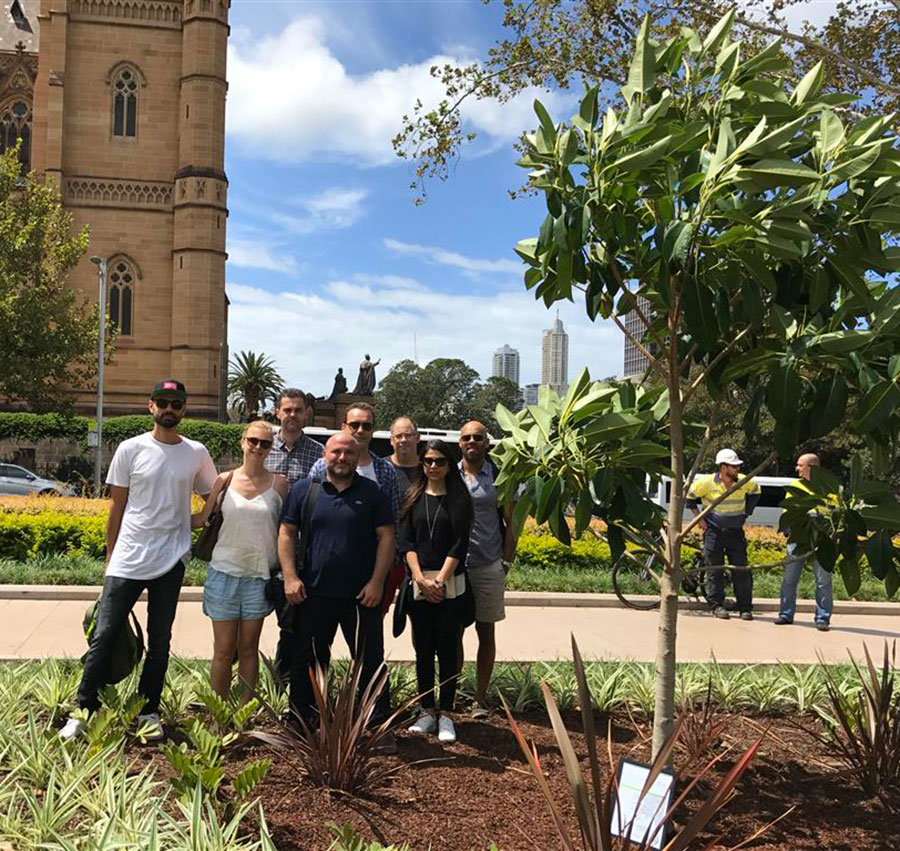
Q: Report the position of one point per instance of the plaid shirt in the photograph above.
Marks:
(384, 475)
(294, 464)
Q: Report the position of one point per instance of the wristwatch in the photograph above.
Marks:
(506, 565)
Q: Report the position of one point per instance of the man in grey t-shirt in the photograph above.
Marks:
(492, 547)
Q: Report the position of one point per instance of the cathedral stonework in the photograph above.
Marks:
(121, 103)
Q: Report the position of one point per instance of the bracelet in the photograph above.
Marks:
(506, 565)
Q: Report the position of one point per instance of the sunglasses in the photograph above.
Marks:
(261, 442)
(359, 424)
(466, 438)
(434, 462)
(174, 404)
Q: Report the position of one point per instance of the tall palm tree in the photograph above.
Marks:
(252, 379)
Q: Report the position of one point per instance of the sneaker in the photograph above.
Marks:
(823, 626)
(446, 730)
(720, 612)
(746, 616)
(781, 620)
(426, 723)
(74, 729)
(150, 728)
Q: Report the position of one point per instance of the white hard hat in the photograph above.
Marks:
(728, 456)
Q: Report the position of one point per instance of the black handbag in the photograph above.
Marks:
(209, 534)
(401, 606)
(284, 610)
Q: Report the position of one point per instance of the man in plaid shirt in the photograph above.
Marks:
(293, 455)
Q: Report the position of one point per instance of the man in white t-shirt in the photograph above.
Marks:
(148, 536)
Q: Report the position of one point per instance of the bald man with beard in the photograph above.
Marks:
(348, 552)
(793, 570)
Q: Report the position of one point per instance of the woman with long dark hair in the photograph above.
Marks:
(436, 518)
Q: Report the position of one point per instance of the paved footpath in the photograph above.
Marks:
(35, 627)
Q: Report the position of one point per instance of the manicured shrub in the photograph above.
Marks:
(24, 536)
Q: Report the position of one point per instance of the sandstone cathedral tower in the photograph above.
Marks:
(121, 103)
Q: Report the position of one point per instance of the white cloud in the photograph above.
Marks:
(452, 258)
(311, 334)
(253, 254)
(333, 209)
(291, 99)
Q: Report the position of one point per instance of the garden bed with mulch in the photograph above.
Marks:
(480, 791)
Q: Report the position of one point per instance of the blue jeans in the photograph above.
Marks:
(824, 598)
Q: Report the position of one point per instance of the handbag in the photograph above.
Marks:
(401, 606)
(453, 588)
(274, 591)
(209, 534)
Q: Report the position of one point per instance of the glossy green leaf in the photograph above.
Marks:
(811, 84)
(700, 313)
(783, 393)
(851, 575)
(876, 406)
(772, 173)
(885, 516)
(641, 74)
(829, 406)
(880, 553)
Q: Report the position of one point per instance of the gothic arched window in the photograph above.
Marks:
(15, 124)
(125, 86)
(121, 295)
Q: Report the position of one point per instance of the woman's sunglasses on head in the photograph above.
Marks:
(261, 442)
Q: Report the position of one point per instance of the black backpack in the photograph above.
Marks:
(127, 650)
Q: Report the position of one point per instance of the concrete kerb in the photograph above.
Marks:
(194, 594)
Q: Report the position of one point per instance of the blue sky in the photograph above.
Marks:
(329, 257)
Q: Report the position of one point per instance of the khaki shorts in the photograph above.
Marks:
(488, 583)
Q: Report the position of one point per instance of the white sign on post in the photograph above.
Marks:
(636, 818)
(92, 439)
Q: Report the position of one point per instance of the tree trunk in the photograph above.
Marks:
(670, 580)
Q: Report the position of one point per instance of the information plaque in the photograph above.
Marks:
(635, 818)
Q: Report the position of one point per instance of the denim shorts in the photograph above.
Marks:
(234, 598)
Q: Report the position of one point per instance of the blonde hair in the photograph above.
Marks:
(258, 424)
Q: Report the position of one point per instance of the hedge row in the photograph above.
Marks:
(24, 536)
(219, 438)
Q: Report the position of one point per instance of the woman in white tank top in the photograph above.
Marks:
(246, 550)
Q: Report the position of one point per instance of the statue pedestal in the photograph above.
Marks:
(330, 413)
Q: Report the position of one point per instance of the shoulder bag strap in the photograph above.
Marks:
(306, 510)
(221, 497)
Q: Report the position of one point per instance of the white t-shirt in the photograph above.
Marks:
(156, 527)
(368, 471)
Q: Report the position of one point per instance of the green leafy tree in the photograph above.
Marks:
(553, 43)
(497, 390)
(48, 335)
(252, 381)
(756, 219)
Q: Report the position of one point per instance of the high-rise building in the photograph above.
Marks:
(506, 364)
(634, 362)
(555, 357)
(530, 393)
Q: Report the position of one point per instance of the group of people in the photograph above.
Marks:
(724, 538)
(340, 528)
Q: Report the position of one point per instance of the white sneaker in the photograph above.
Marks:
(446, 730)
(150, 728)
(74, 729)
(424, 724)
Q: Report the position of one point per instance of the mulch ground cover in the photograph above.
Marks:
(479, 792)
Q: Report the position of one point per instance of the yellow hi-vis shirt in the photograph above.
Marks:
(732, 511)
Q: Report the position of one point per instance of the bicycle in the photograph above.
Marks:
(635, 578)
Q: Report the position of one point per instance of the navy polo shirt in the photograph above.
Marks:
(340, 555)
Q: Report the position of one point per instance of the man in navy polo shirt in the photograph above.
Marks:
(349, 551)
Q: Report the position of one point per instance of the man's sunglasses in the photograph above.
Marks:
(466, 438)
(261, 442)
(434, 462)
(174, 404)
(359, 424)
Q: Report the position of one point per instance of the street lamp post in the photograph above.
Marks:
(98, 455)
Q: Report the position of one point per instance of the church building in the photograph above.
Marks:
(121, 103)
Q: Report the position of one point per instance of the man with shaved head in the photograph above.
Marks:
(347, 555)
(793, 570)
(492, 547)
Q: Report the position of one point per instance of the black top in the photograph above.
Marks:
(340, 555)
(428, 531)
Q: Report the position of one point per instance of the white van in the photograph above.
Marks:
(768, 509)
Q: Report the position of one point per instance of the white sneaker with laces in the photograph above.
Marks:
(150, 728)
(424, 724)
(74, 729)
(446, 730)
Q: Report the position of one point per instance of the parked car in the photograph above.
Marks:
(17, 481)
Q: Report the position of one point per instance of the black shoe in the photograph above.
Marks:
(721, 613)
(746, 616)
(781, 620)
(822, 626)
(730, 605)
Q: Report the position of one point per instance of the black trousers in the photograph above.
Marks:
(116, 602)
(316, 624)
(717, 544)
(436, 630)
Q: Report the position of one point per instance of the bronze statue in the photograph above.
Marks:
(365, 383)
(340, 384)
